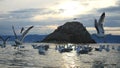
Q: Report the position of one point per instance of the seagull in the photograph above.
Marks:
(41, 50)
(113, 47)
(118, 48)
(19, 41)
(99, 25)
(22, 30)
(107, 48)
(4, 41)
(56, 47)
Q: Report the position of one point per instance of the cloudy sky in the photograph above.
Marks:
(47, 15)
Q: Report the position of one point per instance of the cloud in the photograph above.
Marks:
(38, 11)
(46, 15)
(108, 30)
(112, 16)
(29, 13)
(118, 2)
(46, 26)
(113, 9)
(22, 14)
(39, 29)
(31, 10)
(105, 28)
(42, 27)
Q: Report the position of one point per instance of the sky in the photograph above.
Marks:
(47, 15)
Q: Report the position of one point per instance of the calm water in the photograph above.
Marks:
(29, 58)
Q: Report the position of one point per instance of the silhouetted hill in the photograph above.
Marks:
(70, 32)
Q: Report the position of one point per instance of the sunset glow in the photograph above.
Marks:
(71, 8)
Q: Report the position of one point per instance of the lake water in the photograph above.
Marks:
(30, 58)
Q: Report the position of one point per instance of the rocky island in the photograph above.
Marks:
(70, 32)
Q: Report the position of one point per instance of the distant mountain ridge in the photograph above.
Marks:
(107, 39)
(34, 38)
(28, 38)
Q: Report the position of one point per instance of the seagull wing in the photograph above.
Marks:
(102, 17)
(22, 30)
(102, 28)
(96, 25)
(7, 38)
(25, 32)
(1, 38)
(14, 32)
(101, 20)
(4, 42)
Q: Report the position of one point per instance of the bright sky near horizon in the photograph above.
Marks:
(47, 15)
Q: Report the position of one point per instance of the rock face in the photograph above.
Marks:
(70, 32)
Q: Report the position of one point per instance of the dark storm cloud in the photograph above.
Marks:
(111, 19)
(111, 9)
(112, 23)
(28, 13)
(22, 16)
(87, 19)
(112, 16)
(39, 11)
(6, 25)
(27, 10)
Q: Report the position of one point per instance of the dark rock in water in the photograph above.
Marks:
(70, 32)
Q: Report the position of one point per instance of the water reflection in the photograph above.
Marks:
(69, 59)
(29, 57)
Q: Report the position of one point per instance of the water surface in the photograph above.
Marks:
(29, 58)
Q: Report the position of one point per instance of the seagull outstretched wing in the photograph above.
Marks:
(96, 25)
(14, 32)
(25, 32)
(4, 40)
(101, 20)
(1, 38)
(102, 17)
(22, 30)
(99, 25)
(7, 38)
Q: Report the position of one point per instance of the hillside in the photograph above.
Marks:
(70, 32)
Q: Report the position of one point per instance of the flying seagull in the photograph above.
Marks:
(99, 25)
(4, 41)
(22, 30)
(19, 41)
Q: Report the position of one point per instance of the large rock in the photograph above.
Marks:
(70, 32)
